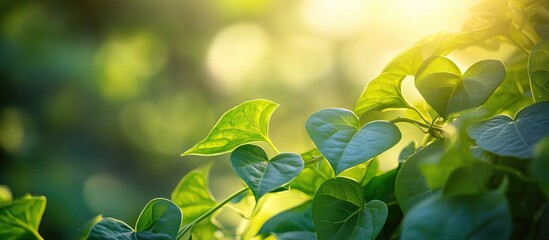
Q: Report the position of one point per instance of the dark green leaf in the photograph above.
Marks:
(262, 175)
(21, 218)
(481, 216)
(467, 180)
(245, 123)
(192, 195)
(160, 219)
(336, 134)
(407, 151)
(538, 71)
(440, 82)
(298, 219)
(296, 236)
(410, 185)
(340, 212)
(504, 136)
(111, 229)
(381, 187)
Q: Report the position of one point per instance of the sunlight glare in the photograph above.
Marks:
(338, 18)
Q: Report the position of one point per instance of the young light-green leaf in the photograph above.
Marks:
(504, 136)
(338, 136)
(410, 185)
(159, 220)
(259, 173)
(340, 212)
(21, 218)
(245, 123)
(192, 194)
(381, 93)
(440, 82)
(312, 177)
(482, 216)
(538, 71)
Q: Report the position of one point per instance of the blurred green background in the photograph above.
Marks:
(99, 98)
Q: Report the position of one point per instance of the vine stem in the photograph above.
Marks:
(209, 212)
(419, 113)
(272, 145)
(420, 124)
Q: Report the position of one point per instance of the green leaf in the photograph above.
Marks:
(482, 216)
(21, 218)
(440, 82)
(245, 123)
(192, 195)
(407, 151)
(298, 219)
(504, 136)
(467, 180)
(407, 62)
(381, 187)
(159, 220)
(381, 93)
(538, 71)
(337, 135)
(296, 236)
(540, 165)
(111, 229)
(411, 187)
(262, 175)
(340, 212)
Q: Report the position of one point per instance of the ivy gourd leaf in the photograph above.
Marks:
(159, 220)
(440, 82)
(381, 93)
(407, 62)
(481, 216)
(381, 187)
(338, 136)
(296, 220)
(85, 229)
(538, 71)
(262, 175)
(245, 123)
(21, 218)
(504, 136)
(340, 212)
(192, 195)
(411, 187)
(407, 151)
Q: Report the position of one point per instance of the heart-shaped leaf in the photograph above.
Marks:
(160, 219)
(481, 216)
(262, 175)
(20, 219)
(340, 212)
(382, 92)
(245, 123)
(338, 136)
(440, 82)
(504, 136)
(538, 71)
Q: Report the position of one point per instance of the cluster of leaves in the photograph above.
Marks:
(478, 174)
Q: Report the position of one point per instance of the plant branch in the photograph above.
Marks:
(209, 212)
(272, 145)
(418, 112)
(418, 124)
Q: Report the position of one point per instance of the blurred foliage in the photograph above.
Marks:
(98, 98)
